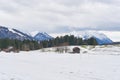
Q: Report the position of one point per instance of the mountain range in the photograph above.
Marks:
(100, 37)
(41, 36)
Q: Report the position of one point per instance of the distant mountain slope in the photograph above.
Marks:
(16, 34)
(100, 37)
(42, 36)
(13, 34)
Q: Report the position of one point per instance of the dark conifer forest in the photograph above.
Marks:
(27, 45)
(66, 41)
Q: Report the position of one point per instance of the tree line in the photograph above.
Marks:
(19, 45)
(27, 45)
(67, 40)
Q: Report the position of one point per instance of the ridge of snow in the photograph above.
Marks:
(82, 34)
(13, 34)
(14, 31)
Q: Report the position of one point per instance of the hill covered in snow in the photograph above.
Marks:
(36, 65)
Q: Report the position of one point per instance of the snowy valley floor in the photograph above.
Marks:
(36, 65)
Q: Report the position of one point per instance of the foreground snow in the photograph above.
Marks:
(36, 65)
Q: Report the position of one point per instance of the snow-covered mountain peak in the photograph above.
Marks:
(13, 34)
(41, 36)
(100, 37)
(88, 34)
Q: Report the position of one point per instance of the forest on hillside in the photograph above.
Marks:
(66, 41)
(26, 45)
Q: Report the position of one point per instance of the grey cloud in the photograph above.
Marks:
(100, 28)
(61, 15)
(8, 8)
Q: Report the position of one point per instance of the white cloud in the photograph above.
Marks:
(48, 15)
(114, 35)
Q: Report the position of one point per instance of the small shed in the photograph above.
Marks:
(76, 50)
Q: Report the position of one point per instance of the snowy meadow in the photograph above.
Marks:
(99, 63)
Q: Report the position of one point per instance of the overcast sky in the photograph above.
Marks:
(60, 15)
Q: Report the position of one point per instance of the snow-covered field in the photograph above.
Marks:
(100, 63)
